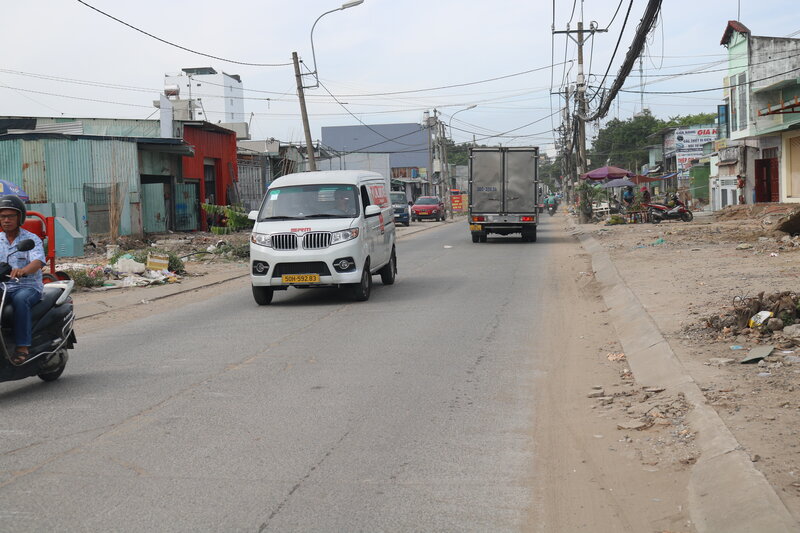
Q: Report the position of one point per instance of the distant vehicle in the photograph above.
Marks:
(401, 207)
(503, 192)
(428, 207)
(323, 229)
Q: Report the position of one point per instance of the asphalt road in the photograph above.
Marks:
(410, 412)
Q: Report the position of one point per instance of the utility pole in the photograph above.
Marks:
(580, 95)
(312, 161)
(429, 126)
(445, 181)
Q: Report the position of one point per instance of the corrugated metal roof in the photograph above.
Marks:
(69, 128)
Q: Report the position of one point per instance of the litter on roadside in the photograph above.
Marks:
(758, 319)
(619, 356)
(737, 347)
(757, 354)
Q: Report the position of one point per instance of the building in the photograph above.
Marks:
(94, 169)
(210, 95)
(760, 117)
(406, 144)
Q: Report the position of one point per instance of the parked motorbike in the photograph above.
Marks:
(53, 320)
(659, 212)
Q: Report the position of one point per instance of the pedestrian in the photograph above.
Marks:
(740, 182)
(645, 195)
(25, 288)
(628, 196)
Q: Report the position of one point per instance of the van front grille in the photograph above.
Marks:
(284, 241)
(316, 240)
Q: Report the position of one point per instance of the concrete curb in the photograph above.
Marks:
(178, 289)
(129, 299)
(726, 492)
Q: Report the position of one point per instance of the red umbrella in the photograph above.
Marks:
(606, 172)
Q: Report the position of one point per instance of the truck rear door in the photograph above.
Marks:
(486, 181)
(521, 179)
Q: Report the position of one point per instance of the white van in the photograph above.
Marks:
(323, 229)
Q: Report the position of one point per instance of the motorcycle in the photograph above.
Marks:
(551, 209)
(53, 319)
(659, 212)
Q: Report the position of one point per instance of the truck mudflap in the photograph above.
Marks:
(480, 230)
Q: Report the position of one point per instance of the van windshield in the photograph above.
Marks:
(310, 201)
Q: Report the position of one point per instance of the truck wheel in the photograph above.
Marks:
(389, 270)
(529, 235)
(360, 291)
(475, 237)
(262, 295)
(483, 236)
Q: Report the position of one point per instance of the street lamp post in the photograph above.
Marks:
(450, 122)
(312, 160)
(344, 6)
(449, 204)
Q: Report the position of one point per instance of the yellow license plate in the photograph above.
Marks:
(300, 278)
(475, 227)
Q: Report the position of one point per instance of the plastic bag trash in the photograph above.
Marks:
(658, 241)
(759, 319)
(129, 266)
(737, 347)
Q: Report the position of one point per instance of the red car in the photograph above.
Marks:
(428, 207)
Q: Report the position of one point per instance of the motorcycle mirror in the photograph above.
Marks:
(25, 245)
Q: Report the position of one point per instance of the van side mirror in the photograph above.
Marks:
(252, 215)
(372, 210)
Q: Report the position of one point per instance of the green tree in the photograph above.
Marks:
(623, 143)
(698, 119)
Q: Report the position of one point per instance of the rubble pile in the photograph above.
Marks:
(765, 316)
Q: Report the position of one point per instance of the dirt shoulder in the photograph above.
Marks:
(693, 279)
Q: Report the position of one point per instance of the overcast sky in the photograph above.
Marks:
(57, 53)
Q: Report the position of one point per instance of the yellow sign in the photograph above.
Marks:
(458, 202)
(157, 262)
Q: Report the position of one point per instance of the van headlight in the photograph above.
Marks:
(344, 235)
(261, 239)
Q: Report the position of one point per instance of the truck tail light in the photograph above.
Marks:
(479, 219)
(526, 219)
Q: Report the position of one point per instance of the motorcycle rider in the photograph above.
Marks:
(26, 268)
(551, 203)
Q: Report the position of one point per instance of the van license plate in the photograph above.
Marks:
(300, 278)
(475, 227)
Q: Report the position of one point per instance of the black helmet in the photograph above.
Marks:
(13, 202)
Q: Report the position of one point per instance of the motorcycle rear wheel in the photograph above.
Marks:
(655, 218)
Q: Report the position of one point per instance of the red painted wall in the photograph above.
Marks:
(217, 145)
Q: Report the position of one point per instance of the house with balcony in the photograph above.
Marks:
(761, 115)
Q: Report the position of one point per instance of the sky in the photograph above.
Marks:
(62, 58)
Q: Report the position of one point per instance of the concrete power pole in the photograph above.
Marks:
(580, 149)
(581, 96)
(312, 160)
(445, 181)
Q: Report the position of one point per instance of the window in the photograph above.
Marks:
(741, 80)
(722, 119)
